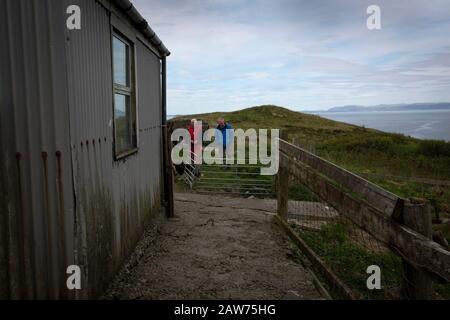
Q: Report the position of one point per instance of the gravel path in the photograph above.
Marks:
(215, 248)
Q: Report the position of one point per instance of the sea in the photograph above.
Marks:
(429, 124)
(421, 124)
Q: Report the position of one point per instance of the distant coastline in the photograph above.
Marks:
(387, 107)
(422, 124)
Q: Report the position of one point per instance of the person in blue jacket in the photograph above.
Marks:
(225, 129)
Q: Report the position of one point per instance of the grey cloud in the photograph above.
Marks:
(302, 53)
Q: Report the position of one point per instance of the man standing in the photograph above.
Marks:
(224, 137)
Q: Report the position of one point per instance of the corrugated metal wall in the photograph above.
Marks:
(90, 104)
(64, 200)
(37, 206)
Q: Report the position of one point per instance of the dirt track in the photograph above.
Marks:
(215, 248)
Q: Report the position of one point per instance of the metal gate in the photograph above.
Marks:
(243, 180)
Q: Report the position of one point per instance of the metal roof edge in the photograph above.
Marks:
(141, 24)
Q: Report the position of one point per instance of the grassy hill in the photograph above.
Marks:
(364, 151)
(357, 148)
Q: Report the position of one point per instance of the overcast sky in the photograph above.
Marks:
(305, 55)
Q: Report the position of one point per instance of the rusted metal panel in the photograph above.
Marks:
(34, 129)
(88, 58)
(64, 200)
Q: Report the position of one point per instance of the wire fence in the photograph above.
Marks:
(342, 245)
(347, 224)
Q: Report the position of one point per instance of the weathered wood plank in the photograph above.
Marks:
(417, 284)
(414, 247)
(379, 198)
(408, 179)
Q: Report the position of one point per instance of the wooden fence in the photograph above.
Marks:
(404, 225)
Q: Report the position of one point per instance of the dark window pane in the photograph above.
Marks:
(125, 130)
(120, 60)
(123, 123)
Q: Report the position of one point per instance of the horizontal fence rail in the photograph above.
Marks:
(402, 225)
(382, 200)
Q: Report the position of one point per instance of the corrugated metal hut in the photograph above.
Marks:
(81, 142)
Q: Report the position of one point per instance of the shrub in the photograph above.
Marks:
(434, 148)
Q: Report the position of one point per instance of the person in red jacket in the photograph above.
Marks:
(195, 132)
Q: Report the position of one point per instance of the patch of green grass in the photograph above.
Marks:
(300, 192)
(349, 260)
(443, 290)
(245, 180)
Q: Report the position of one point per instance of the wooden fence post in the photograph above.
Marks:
(282, 185)
(417, 284)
